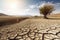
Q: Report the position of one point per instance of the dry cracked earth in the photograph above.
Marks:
(32, 29)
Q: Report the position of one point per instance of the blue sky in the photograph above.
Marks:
(36, 3)
(25, 7)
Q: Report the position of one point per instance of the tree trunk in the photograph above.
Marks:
(45, 16)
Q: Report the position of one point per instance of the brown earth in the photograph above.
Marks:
(32, 29)
(7, 20)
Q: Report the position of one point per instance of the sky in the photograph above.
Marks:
(25, 7)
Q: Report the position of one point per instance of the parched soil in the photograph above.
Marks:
(7, 20)
(32, 29)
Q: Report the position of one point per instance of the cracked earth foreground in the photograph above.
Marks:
(32, 29)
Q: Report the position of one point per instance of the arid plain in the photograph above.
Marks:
(30, 28)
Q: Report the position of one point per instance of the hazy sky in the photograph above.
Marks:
(25, 7)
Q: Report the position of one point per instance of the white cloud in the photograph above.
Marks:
(32, 6)
(48, 3)
(57, 4)
(41, 5)
(57, 8)
(26, 10)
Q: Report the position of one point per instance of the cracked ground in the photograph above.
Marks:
(32, 29)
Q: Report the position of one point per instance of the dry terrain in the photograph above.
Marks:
(32, 29)
(4, 20)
